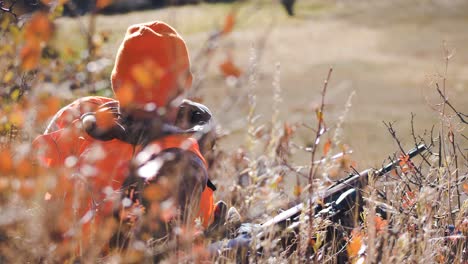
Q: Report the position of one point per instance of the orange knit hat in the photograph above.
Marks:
(152, 66)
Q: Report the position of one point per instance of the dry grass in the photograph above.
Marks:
(389, 64)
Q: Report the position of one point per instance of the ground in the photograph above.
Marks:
(389, 53)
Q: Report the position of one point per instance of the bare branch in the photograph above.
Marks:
(9, 9)
(459, 114)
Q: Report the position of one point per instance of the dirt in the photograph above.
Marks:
(391, 65)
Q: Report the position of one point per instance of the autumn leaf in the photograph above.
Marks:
(24, 168)
(354, 244)
(38, 30)
(319, 115)
(30, 55)
(380, 224)
(326, 147)
(229, 22)
(409, 199)
(8, 76)
(465, 187)
(297, 190)
(228, 68)
(6, 162)
(405, 163)
(100, 4)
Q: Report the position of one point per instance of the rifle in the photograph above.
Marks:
(338, 199)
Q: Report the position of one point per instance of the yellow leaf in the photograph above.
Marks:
(16, 118)
(5, 22)
(15, 94)
(8, 77)
(297, 190)
(319, 115)
(100, 4)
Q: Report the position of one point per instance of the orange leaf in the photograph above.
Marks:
(405, 163)
(6, 163)
(327, 147)
(24, 168)
(100, 4)
(229, 22)
(229, 69)
(409, 199)
(380, 224)
(39, 29)
(354, 244)
(465, 187)
(30, 57)
(297, 190)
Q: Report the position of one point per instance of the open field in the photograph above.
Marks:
(390, 54)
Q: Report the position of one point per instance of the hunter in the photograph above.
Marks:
(140, 149)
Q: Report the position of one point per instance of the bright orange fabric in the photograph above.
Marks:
(152, 65)
(101, 163)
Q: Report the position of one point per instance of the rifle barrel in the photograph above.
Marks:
(338, 188)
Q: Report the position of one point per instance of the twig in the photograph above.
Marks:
(318, 134)
(415, 140)
(8, 9)
(452, 140)
(459, 114)
(393, 133)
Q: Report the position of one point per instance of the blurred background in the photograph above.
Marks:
(387, 57)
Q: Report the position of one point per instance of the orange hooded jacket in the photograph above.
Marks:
(152, 68)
